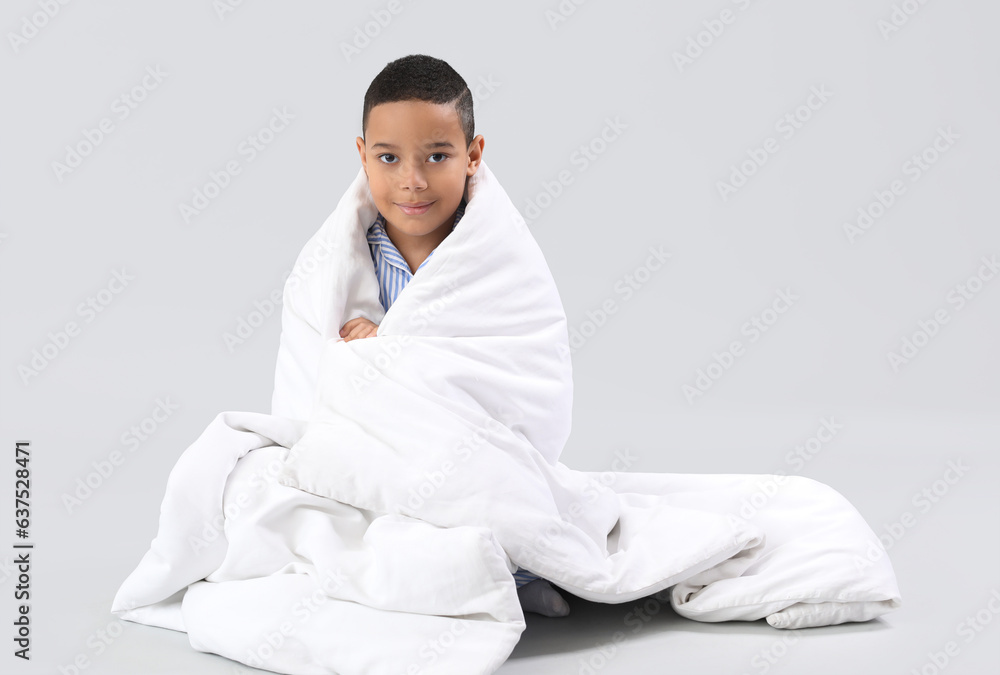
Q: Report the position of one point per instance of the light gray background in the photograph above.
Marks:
(654, 185)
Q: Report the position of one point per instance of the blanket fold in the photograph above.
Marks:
(372, 522)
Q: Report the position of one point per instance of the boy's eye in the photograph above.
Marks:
(436, 154)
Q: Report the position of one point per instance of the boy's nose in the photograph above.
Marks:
(412, 178)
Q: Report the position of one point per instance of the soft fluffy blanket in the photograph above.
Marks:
(371, 523)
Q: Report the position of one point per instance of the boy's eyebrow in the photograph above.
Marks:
(438, 144)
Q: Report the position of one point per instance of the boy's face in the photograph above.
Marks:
(415, 153)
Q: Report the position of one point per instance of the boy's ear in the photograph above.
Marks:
(361, 151)
(475, 154)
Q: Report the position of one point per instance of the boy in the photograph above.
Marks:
(417, 118)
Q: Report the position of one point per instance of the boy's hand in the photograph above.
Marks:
(358, 328)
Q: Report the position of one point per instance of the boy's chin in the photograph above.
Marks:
(419, 230)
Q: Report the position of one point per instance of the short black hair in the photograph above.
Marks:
(422, 78)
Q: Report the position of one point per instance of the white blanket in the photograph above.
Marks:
(371, 523)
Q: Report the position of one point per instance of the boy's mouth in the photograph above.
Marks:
(414, 208)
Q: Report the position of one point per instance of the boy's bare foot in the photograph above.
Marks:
(539, 597)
